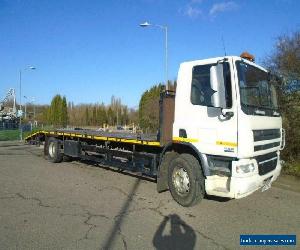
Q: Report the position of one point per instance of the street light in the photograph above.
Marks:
(20, 82)
(165, 28)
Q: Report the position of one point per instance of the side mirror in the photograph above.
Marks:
(218, 99)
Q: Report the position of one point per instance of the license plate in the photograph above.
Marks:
(267, 184)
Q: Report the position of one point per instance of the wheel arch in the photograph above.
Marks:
(180, 148)
(188, 148)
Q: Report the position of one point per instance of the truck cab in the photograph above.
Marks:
(226, 109)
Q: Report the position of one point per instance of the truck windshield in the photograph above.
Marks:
(258, 95)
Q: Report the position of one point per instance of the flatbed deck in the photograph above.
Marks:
(125, 137)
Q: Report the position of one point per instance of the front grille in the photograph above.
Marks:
(266, 134)
(266, 163)
(266, 146)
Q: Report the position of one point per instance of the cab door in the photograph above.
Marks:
(205, 126)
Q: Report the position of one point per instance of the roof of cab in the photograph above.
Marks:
(214, 59)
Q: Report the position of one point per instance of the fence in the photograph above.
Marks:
(10, 130)
(9, 124)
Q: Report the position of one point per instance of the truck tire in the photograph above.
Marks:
(54, 150)
(186, 180)
(162, 179)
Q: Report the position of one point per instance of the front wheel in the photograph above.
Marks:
(186, 181)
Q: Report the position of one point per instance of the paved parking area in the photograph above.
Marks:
(73, 205)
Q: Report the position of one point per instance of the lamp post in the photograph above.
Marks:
(20, 105)
(165, 28)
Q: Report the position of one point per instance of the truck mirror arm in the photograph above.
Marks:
(227, 114)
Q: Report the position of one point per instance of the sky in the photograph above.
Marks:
(89, 50)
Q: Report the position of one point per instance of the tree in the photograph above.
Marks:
(285, 62)
(55, 110)
(124, 115)
(64, 112)
(101, 115)
(110, 116)
(149, 109)
(61, 114)
(87, 116)
(57, 114)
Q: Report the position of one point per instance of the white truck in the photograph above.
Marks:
(220, 134)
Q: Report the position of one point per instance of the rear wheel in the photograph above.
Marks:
(186, 181)
(54, 150)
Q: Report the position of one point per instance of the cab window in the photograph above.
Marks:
(201, 91)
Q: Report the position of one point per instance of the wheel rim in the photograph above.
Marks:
(52, 149)
(181, 181)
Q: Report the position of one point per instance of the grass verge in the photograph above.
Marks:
(12, 135)
(9, 135)
(291, 168)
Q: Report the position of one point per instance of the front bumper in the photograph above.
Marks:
(239, 186)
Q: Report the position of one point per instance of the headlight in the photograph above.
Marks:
(243, 169)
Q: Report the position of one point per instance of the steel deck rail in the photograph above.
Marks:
(99, 136)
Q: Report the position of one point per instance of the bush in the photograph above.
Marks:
(285, 63)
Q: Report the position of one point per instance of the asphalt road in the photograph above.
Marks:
(73, 205)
